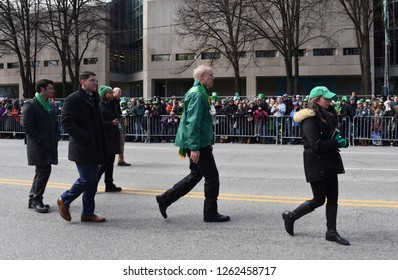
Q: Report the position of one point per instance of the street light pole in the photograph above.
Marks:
(386, 49)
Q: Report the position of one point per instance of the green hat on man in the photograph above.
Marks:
(214, 95)
(261, 96)
(104, 90)
(322, 91)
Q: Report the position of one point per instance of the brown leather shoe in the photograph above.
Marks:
(92, 219)
(64, 210)
(123, 163)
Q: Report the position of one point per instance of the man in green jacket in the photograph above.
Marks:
(195, 139)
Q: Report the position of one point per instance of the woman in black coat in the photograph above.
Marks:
(322, 161)
(112, 134)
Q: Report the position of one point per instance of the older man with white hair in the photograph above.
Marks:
(117, 93)
(195, 139)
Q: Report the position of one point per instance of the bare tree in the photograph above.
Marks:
(71, 27)
(19, 22)
(216, 26)
(288, 25)
(360, 12)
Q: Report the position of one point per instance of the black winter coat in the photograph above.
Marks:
(322, 158)
(42, 133)
(82, 120)
(112, 133)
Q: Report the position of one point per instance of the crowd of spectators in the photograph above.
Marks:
(246, 120)
(10, 117)
(237, 119)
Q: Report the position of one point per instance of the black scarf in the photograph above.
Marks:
(328, 117)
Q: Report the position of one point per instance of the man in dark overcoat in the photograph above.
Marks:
(42, 134)
(81, 118)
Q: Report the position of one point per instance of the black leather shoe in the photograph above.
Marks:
(44, 205)
(335, 237)
(123, 164)
(30, 206)
(162, 206)
(217, 219)
(112, 188)
(40, 208)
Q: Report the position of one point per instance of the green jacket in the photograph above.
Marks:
(196, 126)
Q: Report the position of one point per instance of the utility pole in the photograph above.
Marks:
(386, 86)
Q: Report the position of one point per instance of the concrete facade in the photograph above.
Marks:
(340, 72)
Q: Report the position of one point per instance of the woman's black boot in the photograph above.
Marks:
(291, 216)
(331, 233)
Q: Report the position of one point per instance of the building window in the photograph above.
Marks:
(350, 51)
(35, 64)
(11, 65)
(160, 57)
(269, 53)
(323, 52)
(301, 52)
(239, 55)
(51, 63)
(90, 61)
(137, 62)
(1, 65)
(185, 56)
(211, 55)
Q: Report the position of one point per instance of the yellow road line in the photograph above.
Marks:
(222, 196)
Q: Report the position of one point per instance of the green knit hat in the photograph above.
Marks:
(103, 90)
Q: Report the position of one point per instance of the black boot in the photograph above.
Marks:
(297, 213)
(331, 233)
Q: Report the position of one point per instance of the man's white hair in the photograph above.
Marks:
(199, 71)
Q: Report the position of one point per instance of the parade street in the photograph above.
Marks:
(258, 183)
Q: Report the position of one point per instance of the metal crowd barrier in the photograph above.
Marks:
(375, 130)
(11, 125)
(145, 129)
(369, 130)
(240, 129)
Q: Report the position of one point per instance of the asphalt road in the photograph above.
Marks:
(258, 183)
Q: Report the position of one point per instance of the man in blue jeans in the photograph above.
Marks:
(82, 120)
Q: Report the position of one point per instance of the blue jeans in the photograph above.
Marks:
(86, 184)
(137, 131)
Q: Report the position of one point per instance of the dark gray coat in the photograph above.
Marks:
(322, 158)
(42, 133)
(81, 118)
(112, 133)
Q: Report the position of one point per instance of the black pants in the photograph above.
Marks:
(42, 174)
(325, 189)
(107, 167)
(206, 167)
